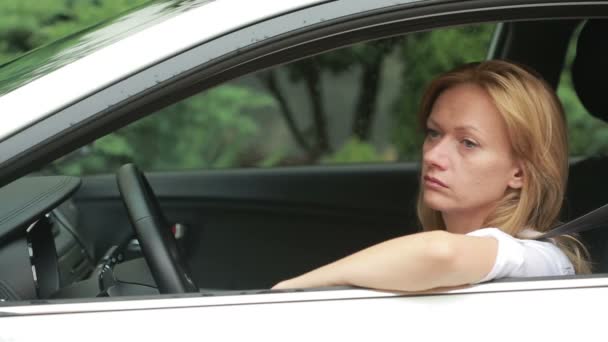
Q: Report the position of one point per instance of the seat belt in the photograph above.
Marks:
(593, 219)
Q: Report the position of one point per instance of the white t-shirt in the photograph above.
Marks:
(524, 258)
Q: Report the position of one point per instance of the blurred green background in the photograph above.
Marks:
(351, 105)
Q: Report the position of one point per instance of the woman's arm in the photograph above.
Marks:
(410, 263)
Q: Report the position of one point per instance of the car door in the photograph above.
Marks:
(217, 203)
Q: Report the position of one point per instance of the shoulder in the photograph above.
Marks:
(524, 257)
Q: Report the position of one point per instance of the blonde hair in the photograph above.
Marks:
(536, 128)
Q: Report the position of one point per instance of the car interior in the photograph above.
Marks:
(240, 230)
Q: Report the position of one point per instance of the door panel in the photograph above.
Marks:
(250, 228)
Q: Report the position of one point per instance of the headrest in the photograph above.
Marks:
(590, 68)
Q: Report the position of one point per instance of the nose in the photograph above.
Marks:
(435, 154)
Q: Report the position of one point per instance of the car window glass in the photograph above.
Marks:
(352, 105)
(587, 134)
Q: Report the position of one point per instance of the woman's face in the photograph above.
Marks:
(467, 159)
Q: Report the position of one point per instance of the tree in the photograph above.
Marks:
(214, 129)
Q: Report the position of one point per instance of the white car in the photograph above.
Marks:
(277, 136)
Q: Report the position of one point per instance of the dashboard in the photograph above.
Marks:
(43, 256)
(29, 260)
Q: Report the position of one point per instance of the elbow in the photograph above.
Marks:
(440, 250)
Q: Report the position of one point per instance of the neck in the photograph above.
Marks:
(465, 222)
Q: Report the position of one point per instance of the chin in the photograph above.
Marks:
(437, 202)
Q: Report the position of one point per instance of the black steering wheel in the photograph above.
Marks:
(157, 242)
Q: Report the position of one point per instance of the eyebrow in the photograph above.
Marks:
(458, 128)
(468, 127)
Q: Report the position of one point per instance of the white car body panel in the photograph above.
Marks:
(518, 312)
(173, 35)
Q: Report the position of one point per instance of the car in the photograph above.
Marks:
(274, 137)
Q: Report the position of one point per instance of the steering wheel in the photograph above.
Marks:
(157, 242)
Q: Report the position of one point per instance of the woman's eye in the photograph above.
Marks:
(469, 143)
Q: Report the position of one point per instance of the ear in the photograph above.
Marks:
(516, 180)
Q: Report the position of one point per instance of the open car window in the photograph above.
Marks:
(352, 105)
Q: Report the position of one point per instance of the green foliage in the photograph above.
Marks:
(214, 129)
(355, 151)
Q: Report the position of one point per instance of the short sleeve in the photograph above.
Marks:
(524, 258)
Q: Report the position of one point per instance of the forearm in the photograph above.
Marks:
(410, 263)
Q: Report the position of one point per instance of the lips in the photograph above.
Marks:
(434, 181)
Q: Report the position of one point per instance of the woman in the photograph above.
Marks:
(494, 169)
